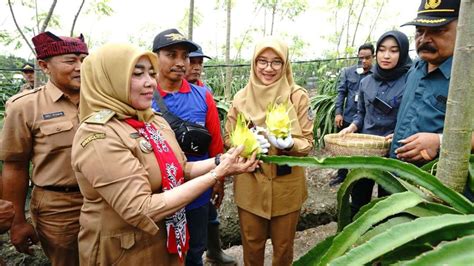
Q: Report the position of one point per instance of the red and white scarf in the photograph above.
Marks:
(172, 176)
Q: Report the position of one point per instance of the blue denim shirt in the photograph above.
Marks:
(423, 107)
(347, 91)
(370, 119)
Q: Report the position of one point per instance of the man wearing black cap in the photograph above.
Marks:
(28, 72)
(214, 253)
(39, 127)
(420, 121)
(191, 103)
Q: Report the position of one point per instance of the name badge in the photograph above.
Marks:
(356, 98)
(52, 115)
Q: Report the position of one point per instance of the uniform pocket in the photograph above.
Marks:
(56, 128)
(438, 102)
(58, 135)
(113, 248)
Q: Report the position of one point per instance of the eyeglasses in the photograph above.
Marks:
(276, 65)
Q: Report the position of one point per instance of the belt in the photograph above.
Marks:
(61, 188)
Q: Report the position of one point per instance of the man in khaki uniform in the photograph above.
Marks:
(39, 127)
(28, 72)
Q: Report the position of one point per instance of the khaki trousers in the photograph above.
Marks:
(255, 230)
(55, 216)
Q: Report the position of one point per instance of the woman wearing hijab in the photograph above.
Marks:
(380, 95)
(269, 200)
(130, 168)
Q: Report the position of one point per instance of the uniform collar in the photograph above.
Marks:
(444, 68)
(185, 88)
(54, 92)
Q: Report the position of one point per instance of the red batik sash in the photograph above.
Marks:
(172, 176)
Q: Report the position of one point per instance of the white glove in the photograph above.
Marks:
(280, 143)
(264, 144)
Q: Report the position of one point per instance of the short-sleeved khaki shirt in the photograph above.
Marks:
(39, 126)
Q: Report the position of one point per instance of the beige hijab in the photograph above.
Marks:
(255, 97)
(105, 81)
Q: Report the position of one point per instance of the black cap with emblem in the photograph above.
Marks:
(435, 13)
(27, 67)
(171, 37)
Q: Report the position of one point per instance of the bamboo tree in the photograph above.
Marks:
(456, 145)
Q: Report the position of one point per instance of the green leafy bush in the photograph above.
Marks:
(422, 220)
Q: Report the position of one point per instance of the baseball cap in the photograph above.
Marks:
(47, 45)
(27, 67)
(198, 53)
(435, 13)
(172, 37)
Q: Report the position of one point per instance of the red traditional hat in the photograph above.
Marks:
(48, 45)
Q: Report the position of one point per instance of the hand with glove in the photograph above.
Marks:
(281, 143)
(264, 144)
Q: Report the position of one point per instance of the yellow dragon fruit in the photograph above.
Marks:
(277, 120)
(243, 136)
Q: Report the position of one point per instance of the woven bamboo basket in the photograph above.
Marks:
(356, 144)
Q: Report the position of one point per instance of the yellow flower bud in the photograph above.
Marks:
(277, 120)
(243, 136)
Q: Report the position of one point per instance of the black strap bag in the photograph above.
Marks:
(193, 138)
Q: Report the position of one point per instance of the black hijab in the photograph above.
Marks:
(404, 61)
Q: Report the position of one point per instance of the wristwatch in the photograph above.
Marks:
(217, 159)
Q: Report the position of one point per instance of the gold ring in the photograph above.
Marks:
(425, 155)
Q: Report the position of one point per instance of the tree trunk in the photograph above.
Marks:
(456, 146)
(375, 21)
(75, 18)
(274, 8)
(349, 13)
(228, 72)
(358, 22)
(48, 17)
(191, 19)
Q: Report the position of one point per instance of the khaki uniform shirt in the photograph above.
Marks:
(263, 193)
(40, 126)
(121, 184)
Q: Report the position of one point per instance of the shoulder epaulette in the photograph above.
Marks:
(24, 93)
(100, 117)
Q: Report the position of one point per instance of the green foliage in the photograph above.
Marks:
(422, 221)
(9, 83)
(100, 8)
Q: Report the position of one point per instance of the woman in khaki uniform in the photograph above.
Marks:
(269, 201)
(132, 213)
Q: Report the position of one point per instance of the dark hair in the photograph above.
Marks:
(367, 46)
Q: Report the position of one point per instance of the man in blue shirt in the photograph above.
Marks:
(214, 253)
(191, 103)
(347, 94)
(420, 122)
